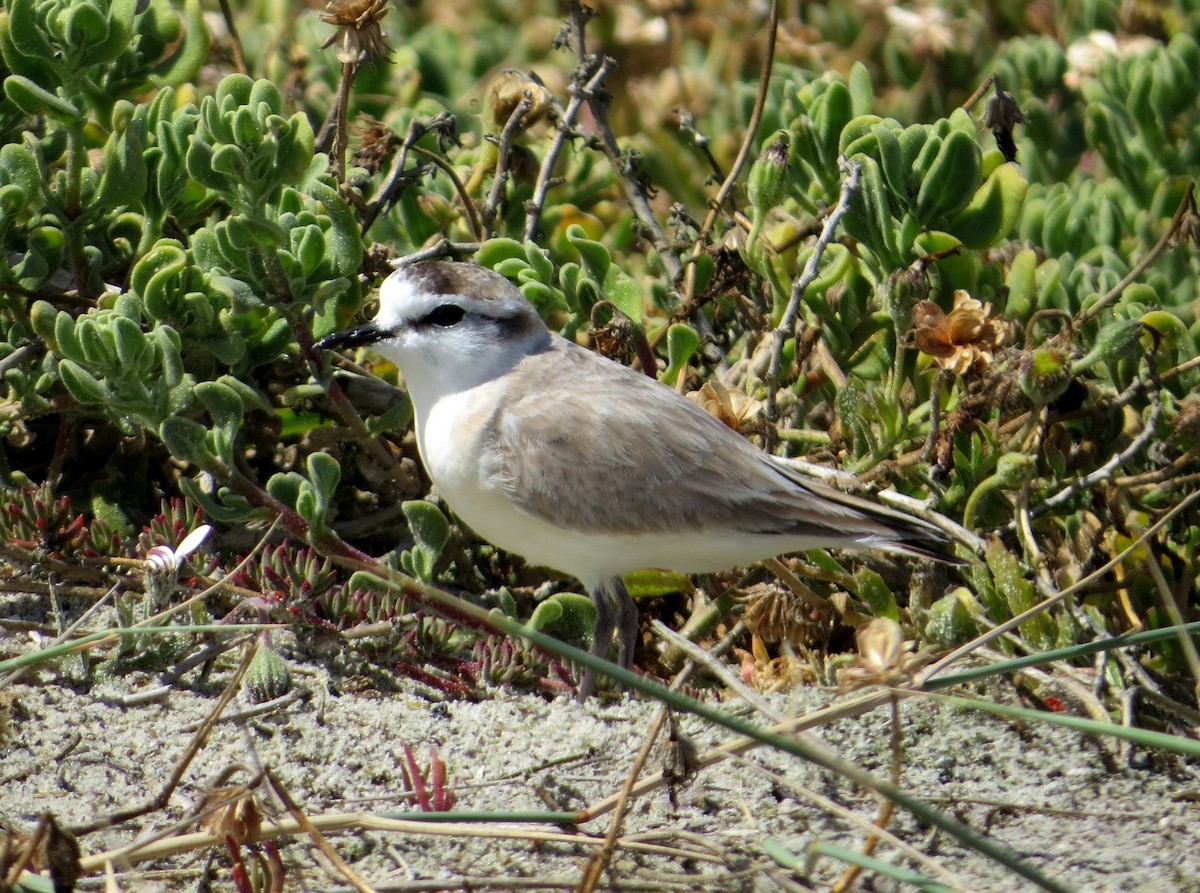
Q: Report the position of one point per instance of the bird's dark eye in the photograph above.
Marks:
(445, 315)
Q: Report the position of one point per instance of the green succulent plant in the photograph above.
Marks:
(178, 234)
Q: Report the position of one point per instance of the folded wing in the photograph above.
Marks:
(652, 461)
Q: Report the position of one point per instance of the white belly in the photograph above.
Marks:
(450, 437)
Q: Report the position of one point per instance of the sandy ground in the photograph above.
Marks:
(1092, 818)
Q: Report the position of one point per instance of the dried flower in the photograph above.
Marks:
(963, 341)
(233, 814)
(508, 90)
(884, 656)
(739, 411)
(766, 674)
(379, 143)
(360, 37)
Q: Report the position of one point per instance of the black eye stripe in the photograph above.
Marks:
(443, 315)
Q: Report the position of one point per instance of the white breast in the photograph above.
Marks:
(451, 436)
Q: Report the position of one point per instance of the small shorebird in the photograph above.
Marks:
(580, 464)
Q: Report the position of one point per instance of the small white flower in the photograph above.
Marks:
(164, 560)
(929, 30)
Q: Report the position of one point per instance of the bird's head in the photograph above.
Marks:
(448, 326)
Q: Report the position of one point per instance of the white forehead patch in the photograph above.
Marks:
(413, 291)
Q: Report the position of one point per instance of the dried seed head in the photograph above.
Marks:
(379, 143)
(1002, 111)
(776, 614)
(508, 90)
(1000, 115)
(359, 38)
(1188, 229)
(681, 763)
(612, 338)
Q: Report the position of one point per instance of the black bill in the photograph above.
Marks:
(359, 337)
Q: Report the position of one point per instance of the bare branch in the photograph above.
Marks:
(511, 127)
(635, 192)
(566, 131)
(787, 324)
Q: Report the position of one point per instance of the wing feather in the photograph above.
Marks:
(614, 451)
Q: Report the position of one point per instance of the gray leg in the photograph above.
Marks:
(627, 622)
(602, 635)
(615, 612)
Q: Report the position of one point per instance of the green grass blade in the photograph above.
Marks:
(788, 859)
(64, 648)
(1145, 737)
(1069, 653)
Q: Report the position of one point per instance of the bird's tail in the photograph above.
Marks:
(869, 525)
